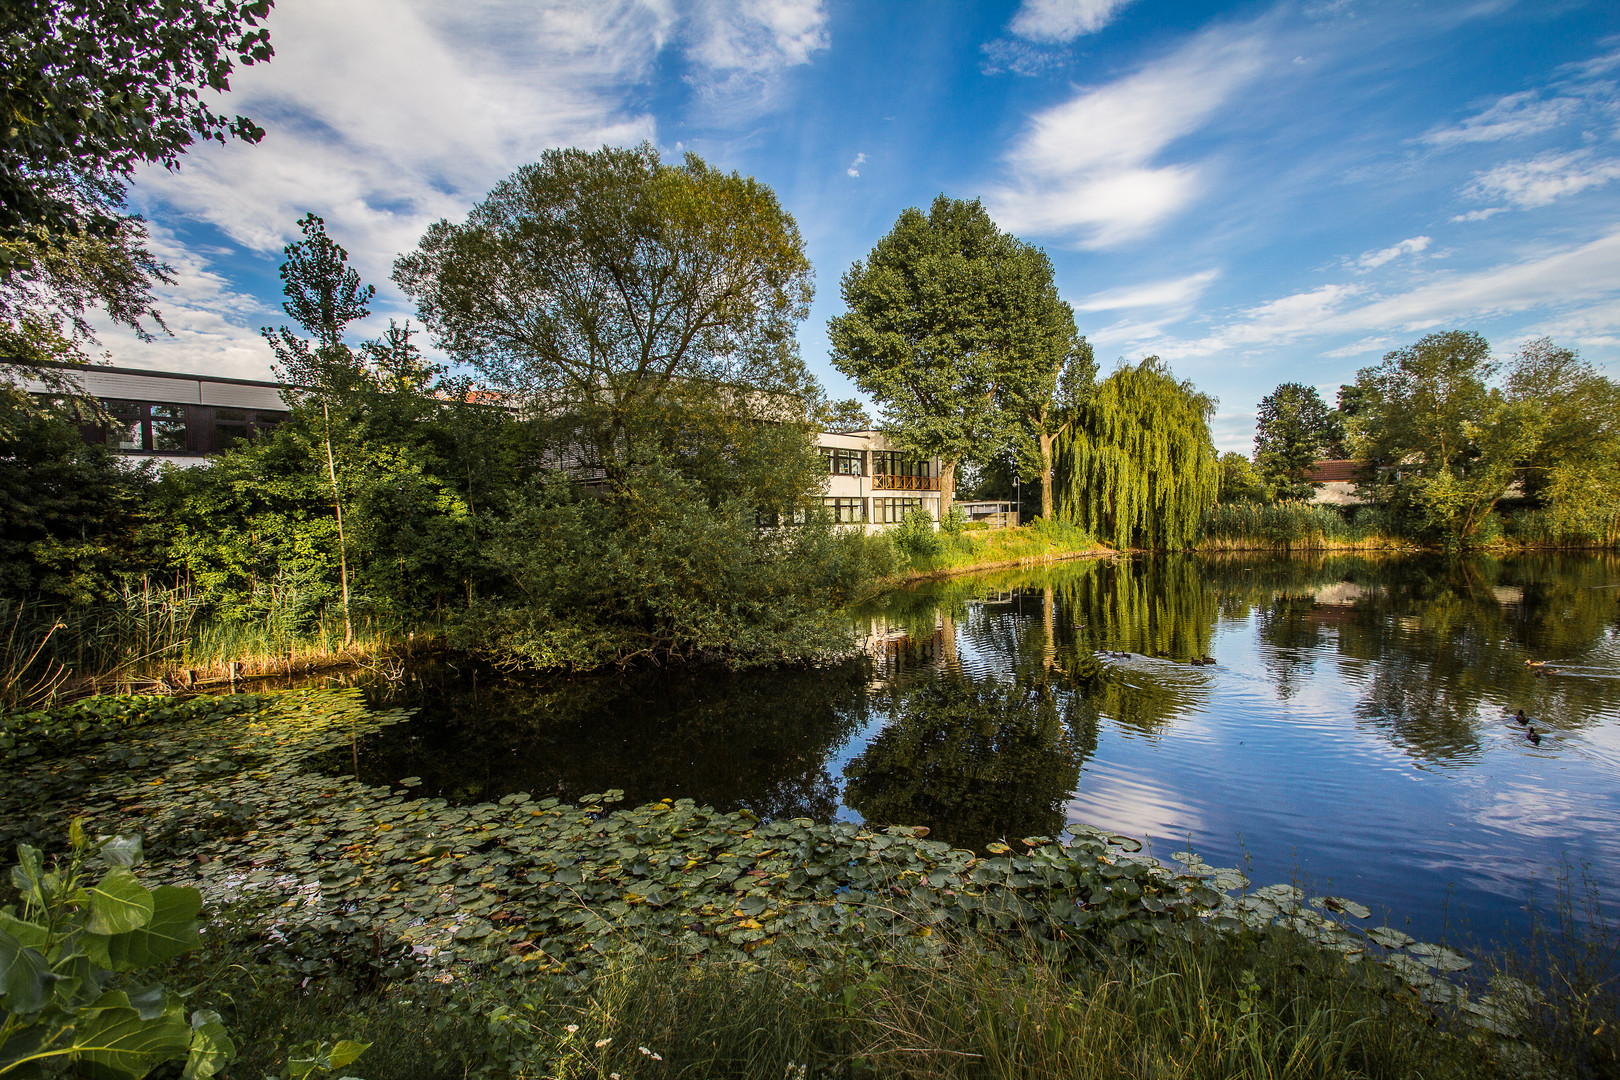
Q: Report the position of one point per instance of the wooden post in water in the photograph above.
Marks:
(234, 667)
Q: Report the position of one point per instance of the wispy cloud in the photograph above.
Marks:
(1582, 282)
(1090, 169)
(1061, 21)
(1543, 179)
(1511, 117)
(757, 35)
(1371, 260)
(1173, 292)
(855, 166)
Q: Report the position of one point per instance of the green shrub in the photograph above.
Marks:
(915, 535)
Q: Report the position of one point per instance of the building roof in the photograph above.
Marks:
(1335, 471)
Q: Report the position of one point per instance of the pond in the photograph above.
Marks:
(1355, 733)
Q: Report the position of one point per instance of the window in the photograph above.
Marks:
(231, 426)
(168, 427)
(894, 463)
(890, 511)
(848, 511)
(124, 431)
(844, 462)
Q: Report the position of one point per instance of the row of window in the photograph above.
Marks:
(885, 511)
(180, 429)
(841, 462)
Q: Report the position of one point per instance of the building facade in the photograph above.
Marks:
(872, 484)
(180, 419)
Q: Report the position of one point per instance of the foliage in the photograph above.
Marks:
(64, 955)
(1293, 430)
(846, 415)
(68, 509)
(1440, 443)
(92, 89)
(1138, 468)
(916, 536)
(956, 331)
(594, 285)
(1239, 482)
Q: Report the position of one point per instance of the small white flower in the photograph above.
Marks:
(603, 1042)
(571, 1028)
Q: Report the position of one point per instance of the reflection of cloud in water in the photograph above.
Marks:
(1113, 799)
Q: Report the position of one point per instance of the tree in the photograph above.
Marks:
(1293, 429)
(1440, 443)
(846, 415)
(90, 89)
(1137, 466)
(600, 286)
(956, 331)
(1049, 402)
(1574, 468)
(1239, 482)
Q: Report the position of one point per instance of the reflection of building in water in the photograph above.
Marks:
(901, 653)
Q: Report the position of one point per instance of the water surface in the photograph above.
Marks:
(1355, 731)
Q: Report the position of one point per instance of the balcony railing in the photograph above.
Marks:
(890, 482)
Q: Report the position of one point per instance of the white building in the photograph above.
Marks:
(180, 418)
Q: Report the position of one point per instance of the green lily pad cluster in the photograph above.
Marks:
(372, 882)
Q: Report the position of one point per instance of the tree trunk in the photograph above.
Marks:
(343, 547)
(1048, 511)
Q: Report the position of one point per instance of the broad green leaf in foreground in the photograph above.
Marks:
(118, 904)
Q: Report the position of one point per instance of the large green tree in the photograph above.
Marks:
(956, 331)
(1440, 443)
(1292, 430)
(1137, 467)
(89, 91)
(1574, 468)
(600, 286)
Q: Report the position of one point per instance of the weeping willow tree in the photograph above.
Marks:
(1137, 468)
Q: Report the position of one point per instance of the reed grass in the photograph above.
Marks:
(1292, 526)
(149, 637)
(1039, 541)
(1214, 1006)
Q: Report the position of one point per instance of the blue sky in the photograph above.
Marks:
(1257, 192)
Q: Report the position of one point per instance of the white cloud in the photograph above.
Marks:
(757, 36)
(1373, 259)
(855, 166)
(1542, 179)
(1060, 21)
(1087, 169)
(1479, 215)
(1511, 117)
(1583, 282)
(1172, 292)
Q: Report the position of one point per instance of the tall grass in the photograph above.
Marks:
(147, 634)
(1291, 526)
(1039, 541)
(1212, 1006)
(1541, 528)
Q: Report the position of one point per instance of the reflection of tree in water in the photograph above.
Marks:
(755, 739)
(1445, 641)
(1153, 607)
(974, 760)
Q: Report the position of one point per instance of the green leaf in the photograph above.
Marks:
(25, 977)
(345, 1052)
(26, 933)
(123, 851)
(118, 904)
(171, 931)
(148, 1001)
(211, 1046)
(29, 875)
(112, 1036)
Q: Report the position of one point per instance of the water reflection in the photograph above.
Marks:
(975, 760)
(758, 739)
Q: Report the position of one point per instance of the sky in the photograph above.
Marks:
(1256, 192)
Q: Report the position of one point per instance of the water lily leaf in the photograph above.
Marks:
(1348, 907)
(1390, 938)
(118, 903)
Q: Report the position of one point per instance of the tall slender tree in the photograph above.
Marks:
(956, 332)
(1292, 430)
(1137, 467)
(324, 296)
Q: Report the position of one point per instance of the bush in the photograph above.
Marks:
(915, 535)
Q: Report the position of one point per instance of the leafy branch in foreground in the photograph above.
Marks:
(62, 958)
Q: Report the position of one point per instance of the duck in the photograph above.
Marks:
(1521, 718)
(1534, 736)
